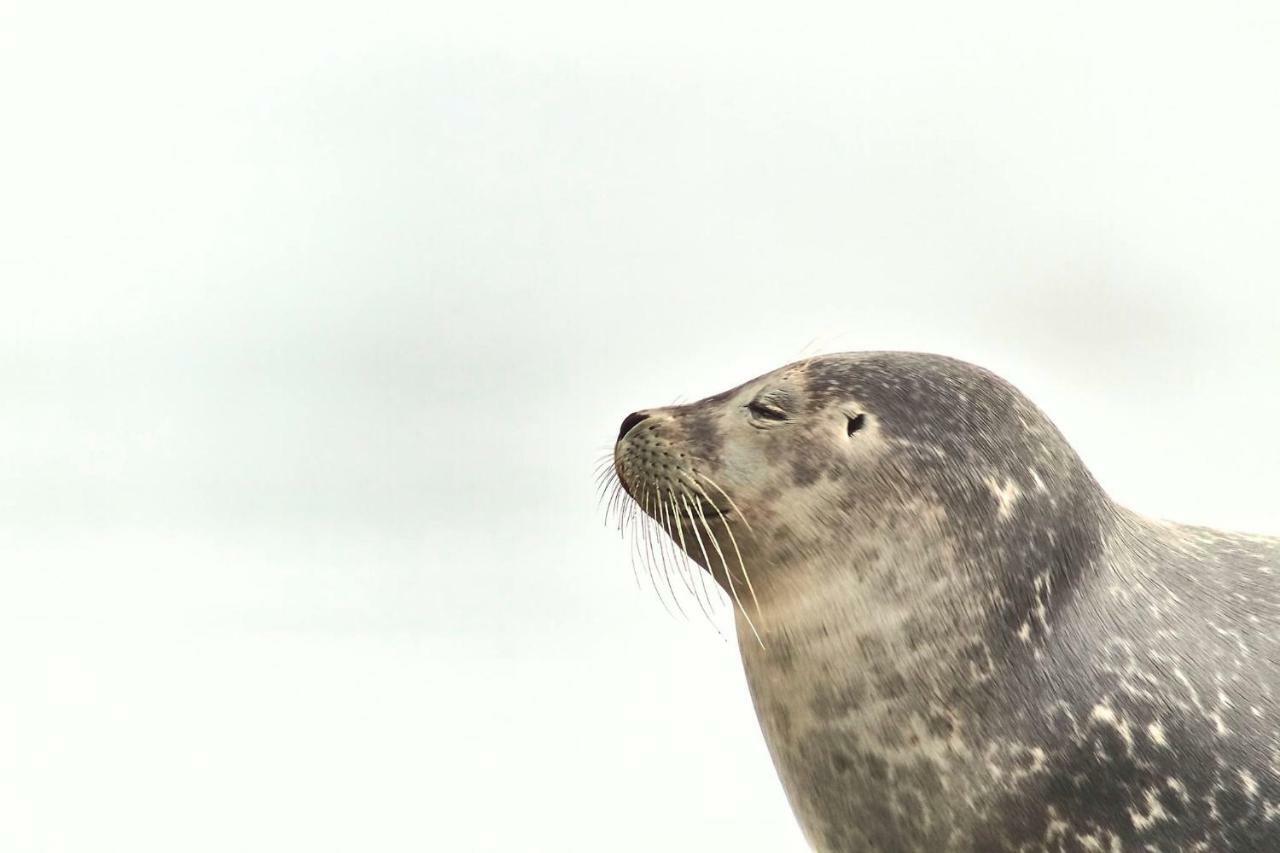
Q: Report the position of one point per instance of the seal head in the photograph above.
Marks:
(954, 639)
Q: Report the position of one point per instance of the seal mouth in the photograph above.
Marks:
(692, 513)
(695, 506)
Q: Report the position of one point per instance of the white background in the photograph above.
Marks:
(316, 317)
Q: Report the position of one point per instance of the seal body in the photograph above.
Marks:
(954, 639)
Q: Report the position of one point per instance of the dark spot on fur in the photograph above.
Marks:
(702, 435)
(805, 469)
(939, 724)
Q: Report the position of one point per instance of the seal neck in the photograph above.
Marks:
(947, 605)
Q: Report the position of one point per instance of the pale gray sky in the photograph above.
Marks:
(316, 317)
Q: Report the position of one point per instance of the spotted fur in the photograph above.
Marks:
(957, 641)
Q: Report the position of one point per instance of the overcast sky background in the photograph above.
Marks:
(317, 316)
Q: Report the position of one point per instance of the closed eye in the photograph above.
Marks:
(764, 412)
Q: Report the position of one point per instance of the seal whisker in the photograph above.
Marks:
(604, 499)
(663, 542)
(715, 542)
(635, 551)
(741, 563)
(697, 536)
(614, 505)
(665, 545)
(606, 492)
(693, 526)
(602, 475)
(628, 508)
(626, 513)
(626, 519)
(646, 525)
(630, 520)
(668, 542)
(625, 508)
(685, 550)
(732, 539)
(732, 505)
(603, 467)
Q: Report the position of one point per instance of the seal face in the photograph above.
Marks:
(954, 639)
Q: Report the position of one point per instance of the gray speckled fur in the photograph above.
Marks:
(966, 645)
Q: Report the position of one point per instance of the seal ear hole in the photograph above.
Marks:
(856, 422)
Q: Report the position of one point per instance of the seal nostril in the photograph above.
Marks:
(630, 421)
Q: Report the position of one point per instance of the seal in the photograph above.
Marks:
(953, 638)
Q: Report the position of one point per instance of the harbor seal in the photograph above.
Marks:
(953, 638)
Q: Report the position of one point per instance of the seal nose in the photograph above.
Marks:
(630, 421)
